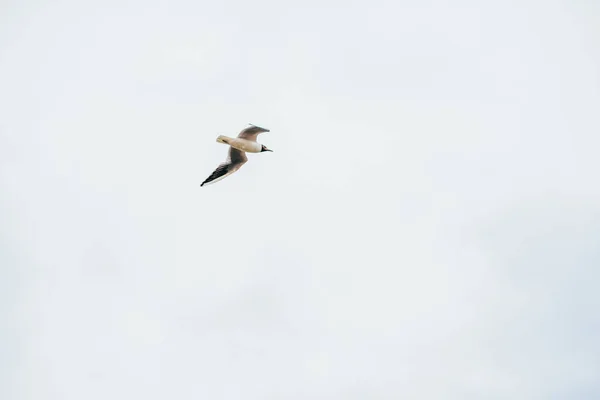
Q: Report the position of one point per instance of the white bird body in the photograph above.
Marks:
(245, 145)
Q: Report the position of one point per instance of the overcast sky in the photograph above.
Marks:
(427, 227)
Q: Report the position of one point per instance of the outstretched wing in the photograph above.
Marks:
(234, 161)
(252, 132)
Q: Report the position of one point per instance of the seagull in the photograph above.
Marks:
(245, 142)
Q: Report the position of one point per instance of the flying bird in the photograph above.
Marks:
(238, 147)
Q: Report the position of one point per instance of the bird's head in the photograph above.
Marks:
(264, 148)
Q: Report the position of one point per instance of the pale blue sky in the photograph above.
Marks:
(427, 226)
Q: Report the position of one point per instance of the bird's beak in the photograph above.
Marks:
(269, 150)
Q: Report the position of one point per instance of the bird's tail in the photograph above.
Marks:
(223, 139)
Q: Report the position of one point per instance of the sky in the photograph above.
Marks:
(427, 226)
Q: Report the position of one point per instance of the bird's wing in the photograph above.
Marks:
(252, 132)
(234, 161)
